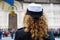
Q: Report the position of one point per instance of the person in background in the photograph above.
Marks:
(12, 33)
(0, 34)
(35, 25)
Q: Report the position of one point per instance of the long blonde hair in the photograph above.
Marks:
(37, 28)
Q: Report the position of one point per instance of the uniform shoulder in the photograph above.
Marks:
(21, 28)
(20, 31)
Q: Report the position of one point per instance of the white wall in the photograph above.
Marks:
(3, 19)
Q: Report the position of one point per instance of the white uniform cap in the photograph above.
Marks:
(35, 7)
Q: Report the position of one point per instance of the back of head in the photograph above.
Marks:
(35, 22)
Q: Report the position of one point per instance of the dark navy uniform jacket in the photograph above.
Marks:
(21, 35)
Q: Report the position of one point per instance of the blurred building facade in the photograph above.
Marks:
(51, 10)
(43, 1)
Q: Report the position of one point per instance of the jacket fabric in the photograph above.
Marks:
(21, 35)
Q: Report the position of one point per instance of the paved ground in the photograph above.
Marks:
(9, 38)
(57, 38)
